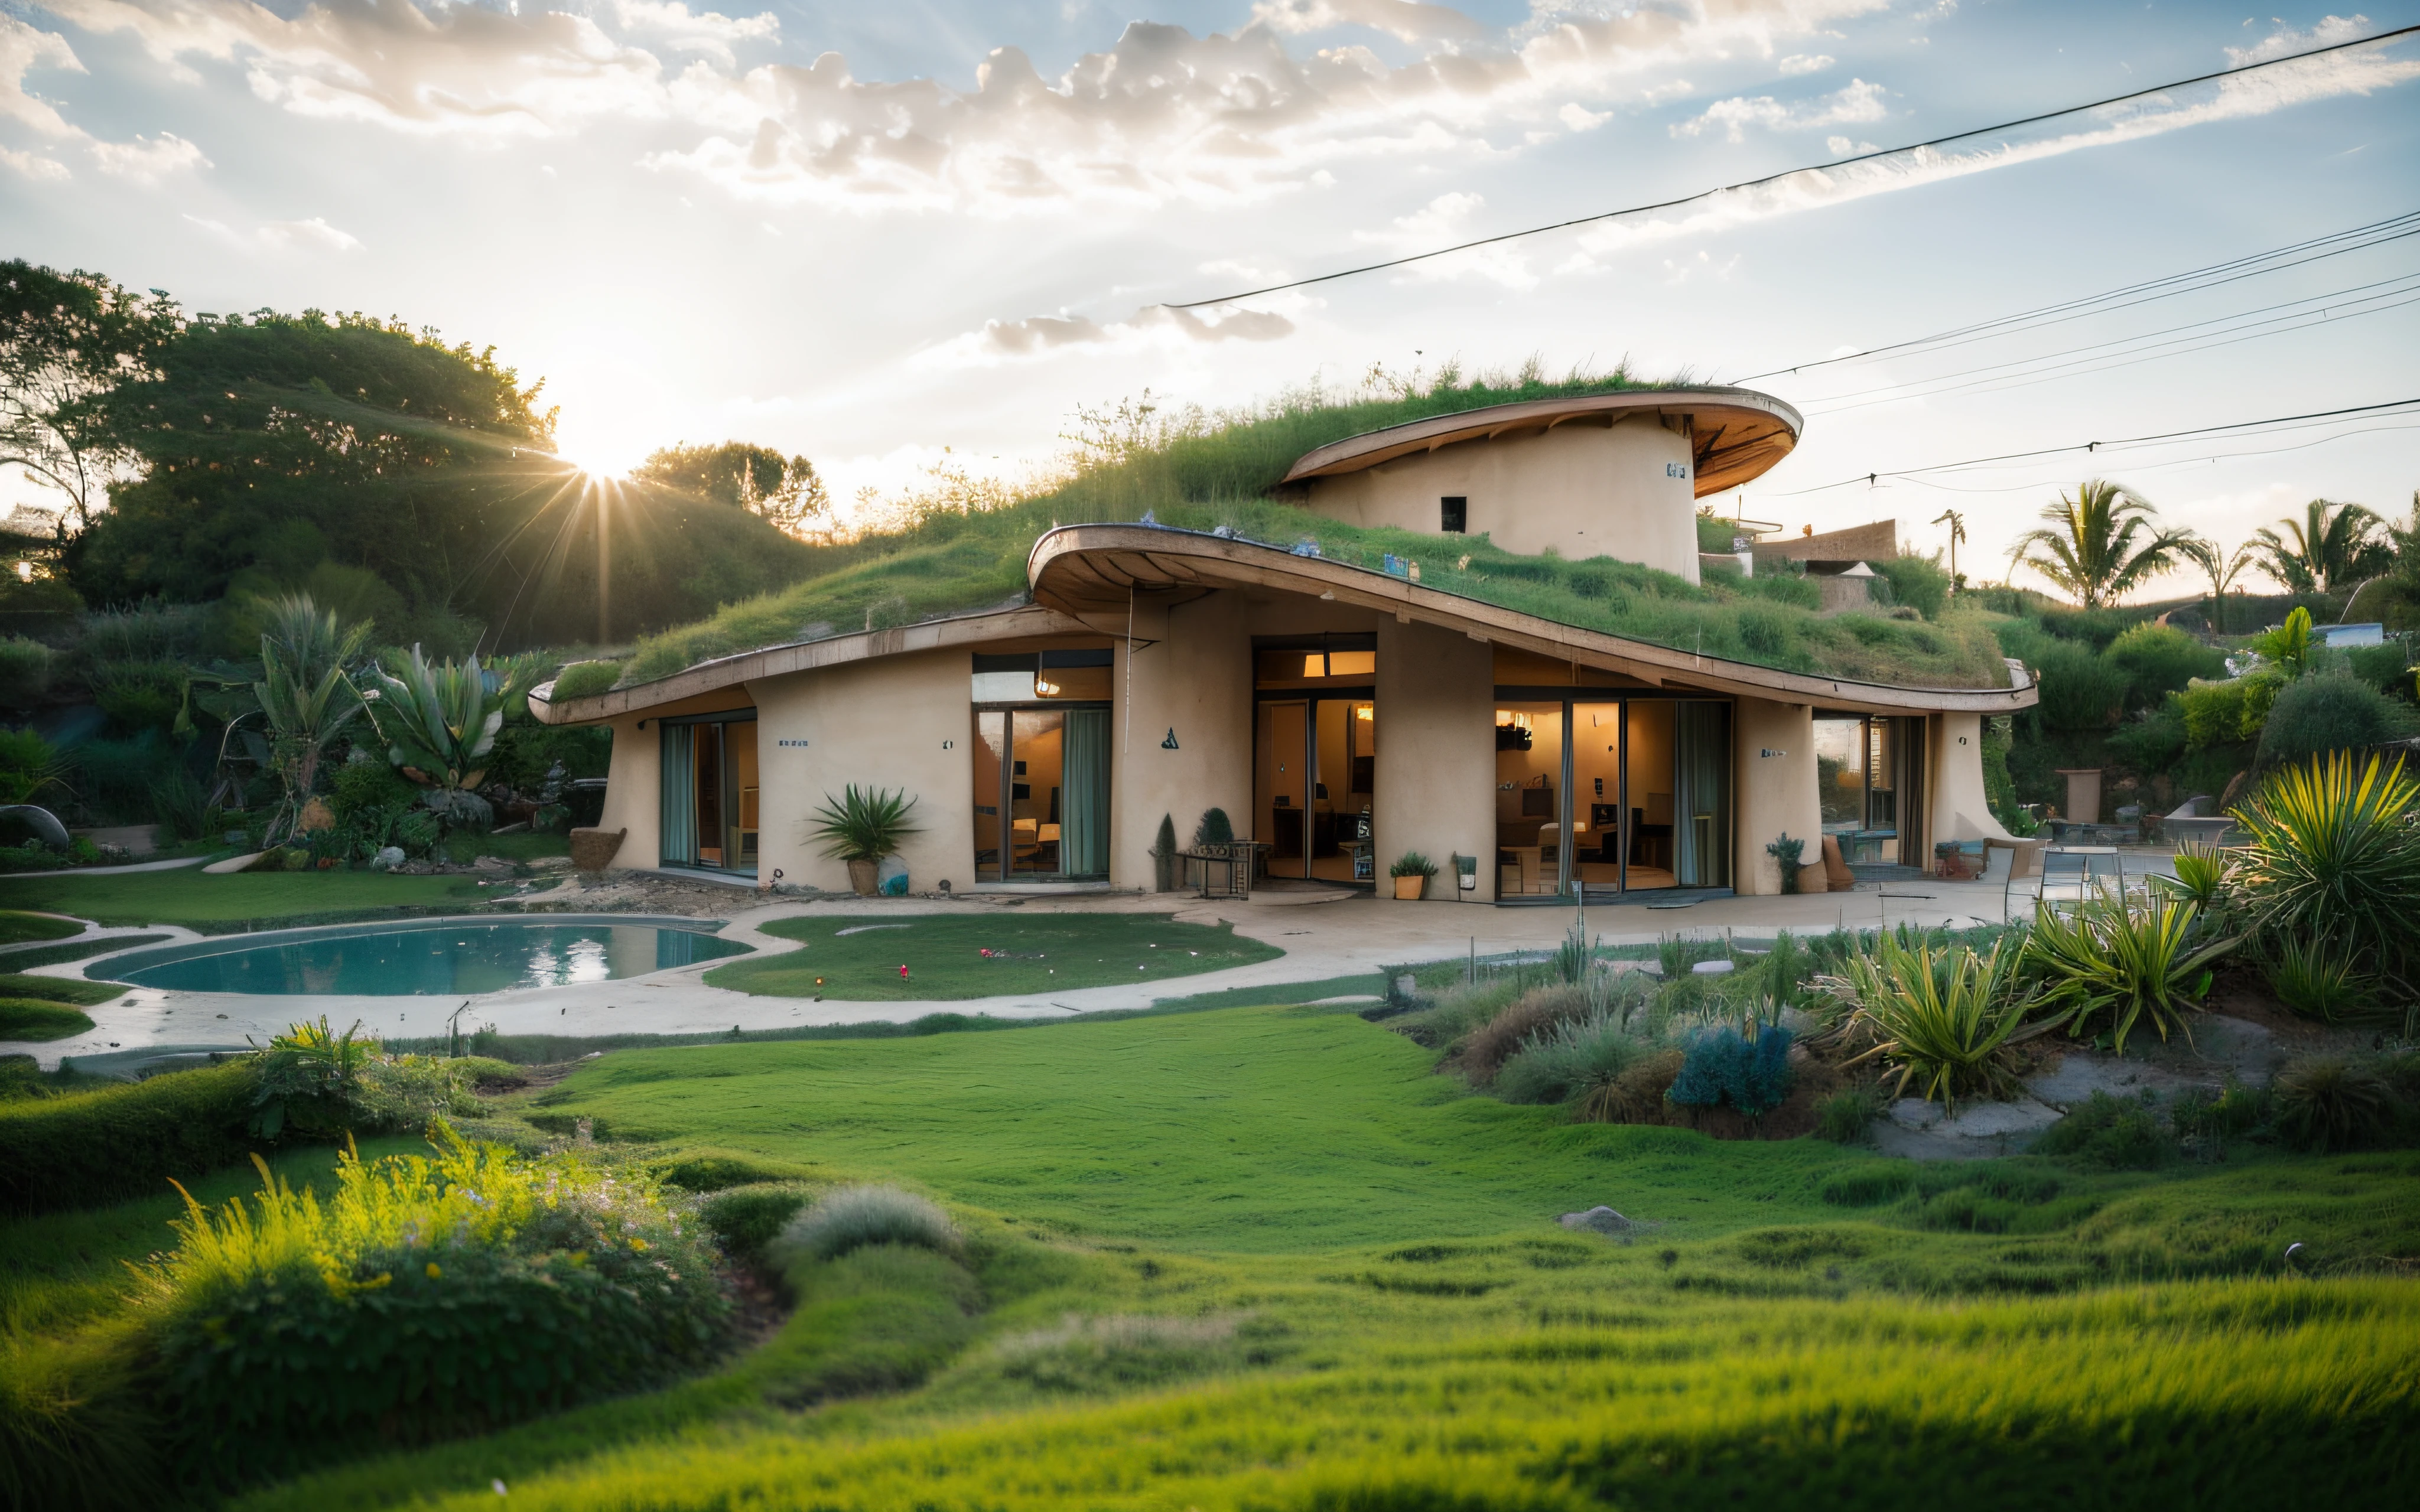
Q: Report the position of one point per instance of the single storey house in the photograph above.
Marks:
(1341, 711)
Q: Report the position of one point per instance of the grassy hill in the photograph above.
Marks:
(964, 547)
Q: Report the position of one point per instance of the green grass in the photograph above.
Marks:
(58, 989)
(28, 1020)
(857, 959)
(27, 957)
(965, 548)
(226, 904)
(16, 925)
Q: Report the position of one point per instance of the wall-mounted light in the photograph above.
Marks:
(1044, 687)
(1170, 743)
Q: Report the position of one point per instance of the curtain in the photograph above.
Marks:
(1702, 795)
(680, 847)
(1084, 811)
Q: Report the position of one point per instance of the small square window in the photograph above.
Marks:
(1454, 514)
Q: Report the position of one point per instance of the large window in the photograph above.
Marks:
(1602, 794)
(1866, 773)
(709, 791)
(1315, 756)
(1041, 766)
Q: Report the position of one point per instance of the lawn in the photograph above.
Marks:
(858, 959)
(16, 926)
(25, 1019)
(226, 904)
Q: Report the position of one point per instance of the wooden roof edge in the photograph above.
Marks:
(806, 656)
(1256, 562)
(1354, 453)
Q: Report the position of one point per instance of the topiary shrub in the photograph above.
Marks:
(424, 1298)
(2327, 712)
(1214, 830)
(852, 1217)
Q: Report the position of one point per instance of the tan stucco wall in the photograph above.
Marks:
(1776, 794)
(1437, 754)
(899, 722)
(1193, 677)
(633, 785)
(1583, 489)
(1960, 808)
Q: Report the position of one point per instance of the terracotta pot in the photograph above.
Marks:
(1411, 889)
(861, 877)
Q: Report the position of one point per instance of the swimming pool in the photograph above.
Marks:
(437, 957)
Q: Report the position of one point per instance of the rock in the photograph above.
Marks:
(387, 858)
(1597, 1220)
(1710, 968)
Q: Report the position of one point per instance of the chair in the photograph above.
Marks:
(2072, 873)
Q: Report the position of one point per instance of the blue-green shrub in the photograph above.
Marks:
(1721, 1067)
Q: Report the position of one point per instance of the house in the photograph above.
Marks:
(1342, 706)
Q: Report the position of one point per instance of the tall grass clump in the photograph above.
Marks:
(2335, 855)
(851, 1217)
(424, 1298)
(2123, 963)
(1945, 1020)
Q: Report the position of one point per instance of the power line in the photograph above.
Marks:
(2395, 229)
(1775, 177)
(2317, 417)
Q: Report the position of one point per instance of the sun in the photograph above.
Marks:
(600, 455)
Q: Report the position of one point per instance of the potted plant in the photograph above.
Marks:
(1411, 872)
(862, 827)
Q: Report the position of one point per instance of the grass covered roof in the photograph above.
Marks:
(962, 545)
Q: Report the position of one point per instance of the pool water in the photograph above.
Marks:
(441, 959)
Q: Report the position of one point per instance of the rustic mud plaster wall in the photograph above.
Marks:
(1194, 678)
(1583, 488)
(634, 778)
(1776, 792)
(897, 722)
(1437, 754)
(1960, 810)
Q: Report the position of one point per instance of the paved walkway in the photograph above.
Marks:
(1324, 935)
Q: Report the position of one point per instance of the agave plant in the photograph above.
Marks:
(863, 823)
(2134, 960)
(440, 721)
(2334, 853)
(306, 691)
(2200, 879)
(1946, 1020)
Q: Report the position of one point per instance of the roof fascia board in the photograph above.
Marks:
(808, 656)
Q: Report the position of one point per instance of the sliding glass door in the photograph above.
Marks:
(708, 815)
(1609, 795)
(1042, 794)
(1868, 770)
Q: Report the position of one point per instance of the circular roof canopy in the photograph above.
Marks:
(1736, 435)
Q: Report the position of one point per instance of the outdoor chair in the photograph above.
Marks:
(2072, 873)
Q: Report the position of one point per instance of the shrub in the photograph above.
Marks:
(2317, 978)
(2154, 742)
(1495, 1042)
(1580, 1058)
(1722, 1066)
(139, 695)
(585, 679)
(1920, 583)
(852, 1217)
(1847, 1117)
(2332, 1102)
(1947, 1020)
(2160, 658)
(748, 1218)
(93, 1148)
(2113, 1132)
(439, 1295)
(28, 766)
(863, 823)
(2329, 711)
(2133, 962)
(1412, 864)
(2079, 689)
(2213, 713)
(1214, 830)
(25, 672)
(2333, 854)
(2205, 1122)
(1869, 1185)
(22, 1018)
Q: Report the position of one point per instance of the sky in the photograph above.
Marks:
(869, 233)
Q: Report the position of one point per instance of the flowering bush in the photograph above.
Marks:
(425, 1297)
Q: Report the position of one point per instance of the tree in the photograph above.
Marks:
(2224, 571)
(1956, 523)
(2330, 547)
(67, 342)
(783, 489)
(2099, 544)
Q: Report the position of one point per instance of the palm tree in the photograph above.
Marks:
(1956, 523)
(2099, 544)
(2225, 571)
(2331, 546)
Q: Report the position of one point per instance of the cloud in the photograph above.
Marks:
(1153, 325)
(34, 166)
(1579, 119)
(1843, 146)
(23, 49)
(2285, 42)
(1857, 101)
(709, 33)
(313, 235)
(1799, 62)
(1404, 20)
(147, 160)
